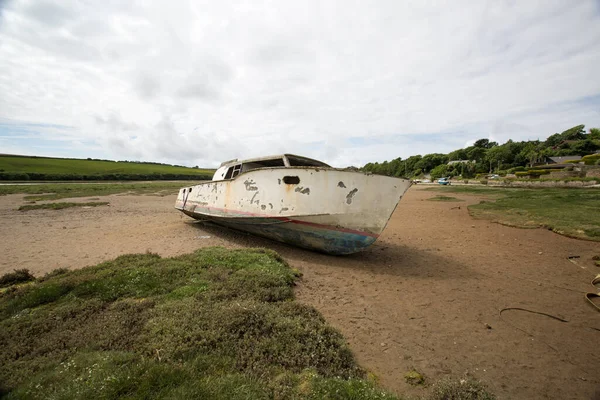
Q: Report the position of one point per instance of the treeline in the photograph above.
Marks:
(34, 176)
(487, 157)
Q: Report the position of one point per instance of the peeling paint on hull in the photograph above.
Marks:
(314, 211)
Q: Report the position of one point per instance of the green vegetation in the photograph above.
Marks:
(592, 159)
(217, 323)
(414, 378)
(487, 157)
(534, 173)
(462, 389)
(60, 206)
(443, 198)
(70, 190)
(571, 212)
(16, 277)
(43, 169)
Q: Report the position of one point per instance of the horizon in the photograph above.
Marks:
(215, 167)
(183, 84)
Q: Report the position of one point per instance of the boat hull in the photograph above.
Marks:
(297, 232)
(327, 210)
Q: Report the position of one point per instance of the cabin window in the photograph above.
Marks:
(183, 191)
(275, 162)
(291, 180)
(237, 169)
(190, 190)
(304, 162)
(234, 171)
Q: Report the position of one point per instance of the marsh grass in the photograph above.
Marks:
(16, 277)
(569, 211)
(60, 206)
(218, 323)
(460, 389)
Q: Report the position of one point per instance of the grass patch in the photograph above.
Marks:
(414, 378)
(16, 277)
(55, 191)
(569, 211)
(443, 198)
(216, 323)
(460, 389)
(60, 206)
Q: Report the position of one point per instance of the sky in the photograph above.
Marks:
(346, 82)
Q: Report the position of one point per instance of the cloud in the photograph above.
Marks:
(114, 123)
(198, 83)
(146, 86)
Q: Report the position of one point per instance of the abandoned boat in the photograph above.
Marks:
(297, 200)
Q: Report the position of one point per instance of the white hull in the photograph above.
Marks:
(326, 209)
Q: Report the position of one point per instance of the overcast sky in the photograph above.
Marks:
(200, 82)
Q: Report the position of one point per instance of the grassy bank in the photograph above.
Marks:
(54, 191)
(218, 324)
(214, 324)
(44, 168)
(571, 212)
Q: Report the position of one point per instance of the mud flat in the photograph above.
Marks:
(427, 296)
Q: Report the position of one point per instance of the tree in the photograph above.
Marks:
(553, 140)
(430, 161)
(459, 154)
(475, 153)
(574, 133)
(485, 144)
(410, 166)
(594, 134)
(584, 147)
(496, 156)
(439, 172)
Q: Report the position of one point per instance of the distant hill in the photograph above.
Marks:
(16, 167)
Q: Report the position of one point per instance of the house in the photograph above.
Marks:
(561, 160)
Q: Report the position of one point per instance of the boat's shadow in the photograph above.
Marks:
(383, 257)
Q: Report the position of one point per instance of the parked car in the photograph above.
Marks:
(444, 181)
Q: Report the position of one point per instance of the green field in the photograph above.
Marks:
(571, 212)
(55, 191)
(42, 168)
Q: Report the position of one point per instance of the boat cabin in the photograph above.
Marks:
(231, 169)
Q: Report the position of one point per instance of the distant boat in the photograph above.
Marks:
(297, 200)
